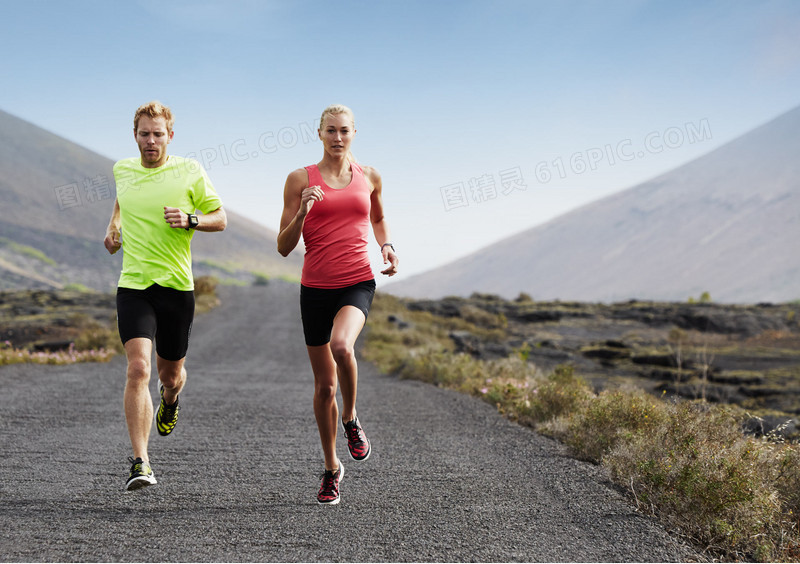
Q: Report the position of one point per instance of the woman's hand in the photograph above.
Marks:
(390, 258)
(308, 197)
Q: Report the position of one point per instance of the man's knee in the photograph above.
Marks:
(139, 369)
(171, 374)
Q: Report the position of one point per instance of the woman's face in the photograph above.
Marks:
(337, 133)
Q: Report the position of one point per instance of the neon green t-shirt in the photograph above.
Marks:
(152, 251)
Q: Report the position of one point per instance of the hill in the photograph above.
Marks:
(57, 197)
(727, 223)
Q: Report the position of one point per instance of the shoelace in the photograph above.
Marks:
(354, 433)
(329, 486)
(168, 411)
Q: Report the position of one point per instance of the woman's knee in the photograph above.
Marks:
(342, 350)
(325, 391)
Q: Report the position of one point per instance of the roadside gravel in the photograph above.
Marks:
(449, 478)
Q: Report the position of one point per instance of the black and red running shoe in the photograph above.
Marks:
(329, 490)
(357, 441)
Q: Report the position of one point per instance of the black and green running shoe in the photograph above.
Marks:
(166, 416)
(141, 475)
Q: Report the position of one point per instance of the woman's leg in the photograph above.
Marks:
(347, 325)
(326, 410)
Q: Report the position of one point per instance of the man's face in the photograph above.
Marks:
(153, 137)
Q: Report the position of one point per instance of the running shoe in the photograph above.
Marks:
(357, 441)
(329, 490)
(141, 475)
(167, 416)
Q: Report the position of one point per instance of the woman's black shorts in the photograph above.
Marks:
(318, 307)
(159, 313)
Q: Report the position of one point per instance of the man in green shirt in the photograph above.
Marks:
(154, 219)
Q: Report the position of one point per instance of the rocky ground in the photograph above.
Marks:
(748, 355)
(52, 319)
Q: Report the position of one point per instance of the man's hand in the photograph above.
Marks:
(111, 241)
(176, 218)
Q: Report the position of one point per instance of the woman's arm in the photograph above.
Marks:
(298, 199)
(380, 226)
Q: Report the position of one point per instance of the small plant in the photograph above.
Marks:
(260, 280)
(524, 352)
(523, 298)
(11, 355)
(205, 293)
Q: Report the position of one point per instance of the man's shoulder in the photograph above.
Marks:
(127, 163)
(185, 165)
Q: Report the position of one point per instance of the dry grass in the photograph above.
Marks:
(687, 463)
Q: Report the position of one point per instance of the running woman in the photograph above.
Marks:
(331, 204)
(154, 219)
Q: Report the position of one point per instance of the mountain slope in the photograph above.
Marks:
(727, 223)
(57, 197)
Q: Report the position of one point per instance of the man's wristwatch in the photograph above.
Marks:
(193, 221)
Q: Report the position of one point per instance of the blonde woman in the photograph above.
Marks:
(332, 205)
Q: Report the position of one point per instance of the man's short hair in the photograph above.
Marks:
(153, 110)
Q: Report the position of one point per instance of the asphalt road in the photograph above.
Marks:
(448, 480)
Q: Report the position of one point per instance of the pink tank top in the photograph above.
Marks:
(335, 233)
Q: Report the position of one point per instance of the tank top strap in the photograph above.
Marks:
(314, 175)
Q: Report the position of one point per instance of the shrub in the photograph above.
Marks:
(205, 293)
(697, 471)
(560, 393)
(610, 416)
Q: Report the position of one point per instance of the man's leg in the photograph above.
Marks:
(173, 377)
(137, 401)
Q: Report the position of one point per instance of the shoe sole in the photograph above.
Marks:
(140, 482)
(338, 499)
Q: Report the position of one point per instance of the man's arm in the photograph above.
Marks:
(216, 220)
(111, 240)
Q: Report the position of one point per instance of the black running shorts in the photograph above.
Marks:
(159, 313)
(318, 307)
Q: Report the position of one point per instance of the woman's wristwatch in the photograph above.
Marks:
(389, 244)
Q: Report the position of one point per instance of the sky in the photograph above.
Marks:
(484, 118)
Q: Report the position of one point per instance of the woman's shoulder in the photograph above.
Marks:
(298, 177)
(299, 173)
(371, 173)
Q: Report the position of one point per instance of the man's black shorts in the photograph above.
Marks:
(159, 313)
(318, 307)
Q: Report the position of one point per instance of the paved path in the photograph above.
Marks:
(449, 479)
